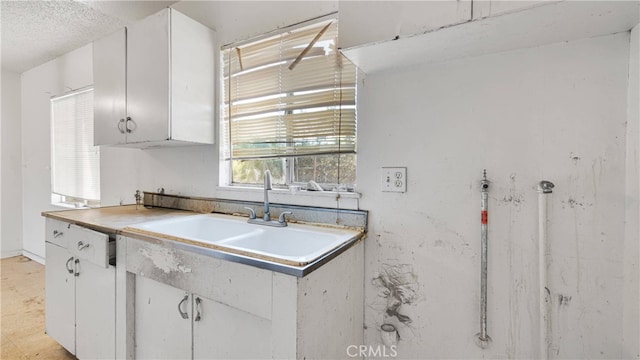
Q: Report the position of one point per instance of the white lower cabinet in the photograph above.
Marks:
(60, 297)
(79, 291)
(95, 311)
(225, 332)
(171, 323)
(160, 331)
(182, 304)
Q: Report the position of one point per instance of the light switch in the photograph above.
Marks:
(394, 179)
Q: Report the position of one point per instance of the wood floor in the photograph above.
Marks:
(22, 308)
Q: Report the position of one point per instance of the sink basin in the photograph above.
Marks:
(296, 244)
(202, 228)
(300, 244)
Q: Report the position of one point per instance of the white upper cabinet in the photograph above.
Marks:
(496, 27)
(154, 83)
(370, 22)
(149, 79)
(110, 89)
(488, 8)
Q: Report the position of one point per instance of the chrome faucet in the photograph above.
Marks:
(266, 219)
(267, 187)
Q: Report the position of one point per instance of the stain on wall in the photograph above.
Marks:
(398, 285)
(554, 112)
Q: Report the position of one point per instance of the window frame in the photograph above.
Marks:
(289, 163)
(58, 199)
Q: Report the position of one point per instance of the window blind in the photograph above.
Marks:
(75, 162)
(291, 94)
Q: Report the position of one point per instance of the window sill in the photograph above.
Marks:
(328, 199)
(70, 206)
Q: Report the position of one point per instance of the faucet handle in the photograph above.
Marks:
(252, 213)
(282, 219)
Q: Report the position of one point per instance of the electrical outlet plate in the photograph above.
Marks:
(394, 179)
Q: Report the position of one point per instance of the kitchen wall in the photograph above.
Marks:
(189, 170)
(556, 112)
(166, 167)
(232, 21)
(2, 87)
(119, 172)
(124, 170)
(631, 315)
(10, 179)
(68, 72)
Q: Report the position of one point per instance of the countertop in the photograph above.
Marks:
(113, 219)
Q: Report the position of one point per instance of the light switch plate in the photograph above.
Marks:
(394, 179)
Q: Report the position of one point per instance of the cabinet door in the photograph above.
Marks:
(95, 311)
(60, 296)
(109, 89)
(161, 331)
(193, 49)
(224, 332)
(148, 78)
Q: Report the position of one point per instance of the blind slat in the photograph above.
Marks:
(75, 169)
(271, 111)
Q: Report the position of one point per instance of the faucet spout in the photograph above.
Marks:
(266, 220)
(267, 180)
(267, 187)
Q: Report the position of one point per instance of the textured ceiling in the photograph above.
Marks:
(34, 32)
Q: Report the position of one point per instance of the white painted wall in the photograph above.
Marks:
(118, 174)
(631, 314)
(1, 117)
(556, 112)
(70, 71)
(11, 168)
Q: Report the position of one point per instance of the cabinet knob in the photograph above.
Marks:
(69, 269)
(132, 127)
(183, 313)
(198, 309)
(57, 233)
(77, 272)
(121, 126)
(82, 246)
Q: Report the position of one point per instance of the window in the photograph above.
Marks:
(289, 106)
(75, 162)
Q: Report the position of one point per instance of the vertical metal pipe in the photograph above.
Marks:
(544, 189)
(483, 336)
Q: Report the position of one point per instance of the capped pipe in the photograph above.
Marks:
(545, 188)
(483, 338)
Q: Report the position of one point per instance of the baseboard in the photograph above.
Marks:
(34, 257)
(9, 254)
